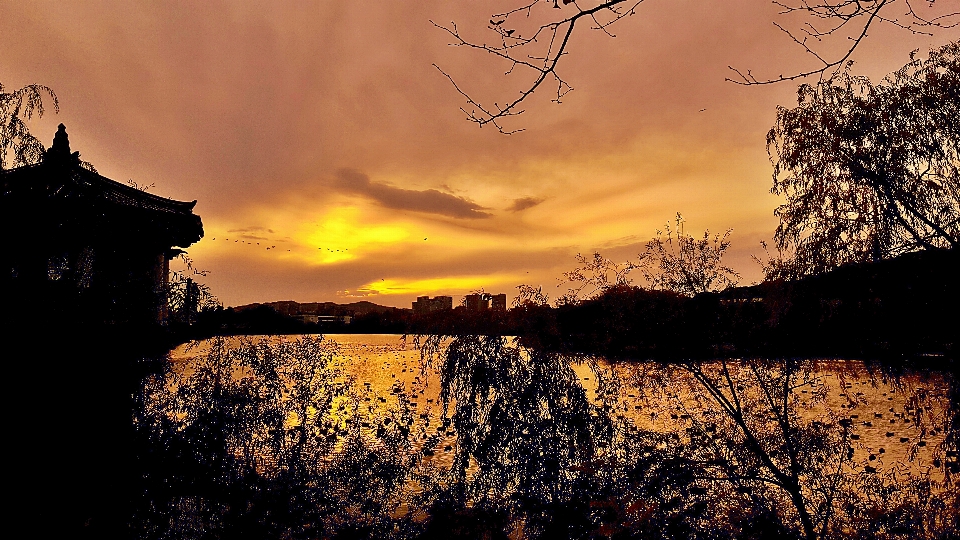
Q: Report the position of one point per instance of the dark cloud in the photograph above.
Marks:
(430, 201)
(525, 202)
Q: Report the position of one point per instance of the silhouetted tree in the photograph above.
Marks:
(275, 439)
(534, 35)
(528, 295)
(758, 433)
(870, 171)
(594, 276)
(524, 420)
(260, 439)
(683, 264)
(187, 297)
(18, 146)
(672, 261)
(764, 443)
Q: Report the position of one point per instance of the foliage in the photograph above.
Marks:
(768, 447)
(675, 262)
(558, 459)
(527, 295)
(268, 440)
(683, 264)
(186, 296)
(870, 171)
(275, 439)
(509, 408)
(594, 276)
(18, 147)
(779, 266)
(761, 433)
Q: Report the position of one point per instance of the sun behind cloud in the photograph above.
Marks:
(341, 235)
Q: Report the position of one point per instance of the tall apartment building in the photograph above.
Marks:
(476, 302)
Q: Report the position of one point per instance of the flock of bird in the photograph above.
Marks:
(268, 248)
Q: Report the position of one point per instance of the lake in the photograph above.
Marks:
(398, 436)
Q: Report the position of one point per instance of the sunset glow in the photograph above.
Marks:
(331, 160)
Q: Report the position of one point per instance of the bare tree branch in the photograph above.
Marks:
(840, 16)
(749, 80)
(534, 36)
(550, 38)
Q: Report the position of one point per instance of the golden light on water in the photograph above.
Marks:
(883, 416)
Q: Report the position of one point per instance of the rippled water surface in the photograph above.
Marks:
(893, 422)
(404, 437)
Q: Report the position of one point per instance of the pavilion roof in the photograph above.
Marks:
(62, 175)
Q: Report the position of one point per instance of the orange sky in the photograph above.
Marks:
(322, 128)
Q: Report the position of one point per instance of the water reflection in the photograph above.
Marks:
(269, 439)
(477, 437)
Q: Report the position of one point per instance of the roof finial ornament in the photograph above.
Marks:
(60, 150)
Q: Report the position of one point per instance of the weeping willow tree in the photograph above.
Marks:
(870, 171)
(18, 146)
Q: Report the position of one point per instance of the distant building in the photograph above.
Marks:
(499, 302)
(476, 302)
(425, 304)
(85, 246)
(321, 319)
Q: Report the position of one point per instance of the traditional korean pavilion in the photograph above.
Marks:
(82, 249)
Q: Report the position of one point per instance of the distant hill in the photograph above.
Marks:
(362, 307)
(292, 308)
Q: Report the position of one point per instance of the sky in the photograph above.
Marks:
(331, 160)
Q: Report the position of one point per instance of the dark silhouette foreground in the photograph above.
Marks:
(262, 440)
